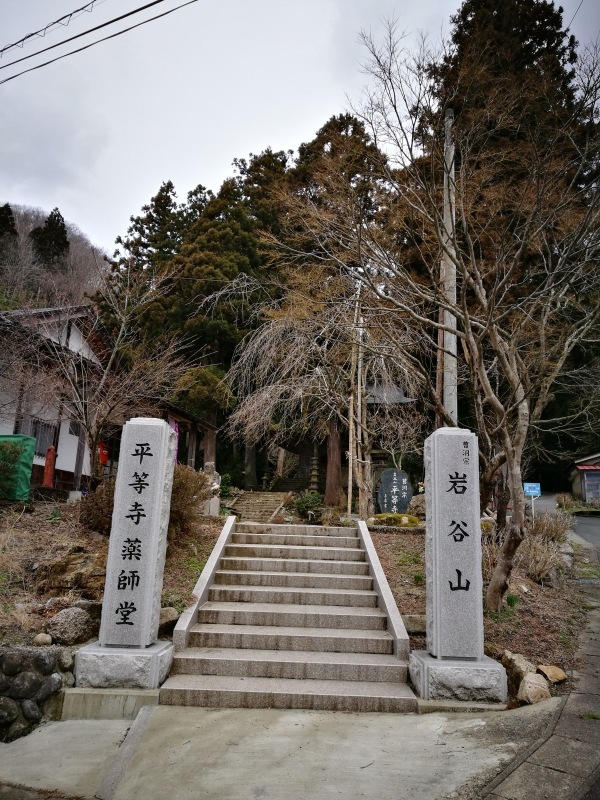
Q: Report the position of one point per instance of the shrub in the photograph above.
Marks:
(565, 500)
(97, 507)
(190, 490)
(225, 488)
(10, 454)
(309, 505)
(552, 525)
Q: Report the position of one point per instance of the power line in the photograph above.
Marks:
(106, 38)
(43, 31)
(85, 33)
(575, 14)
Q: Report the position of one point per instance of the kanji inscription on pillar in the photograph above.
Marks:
(453, 545)
(138, 538)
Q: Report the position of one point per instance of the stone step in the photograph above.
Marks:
(292, 615)
(257, 637)
(296, 529)
(216, 691)
(303, 664)
(295, 565)
(303, 540)
(287, 596)
(296, 580)
(291, 551)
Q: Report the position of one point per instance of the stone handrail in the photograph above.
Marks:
(188, 618)
(387, 603)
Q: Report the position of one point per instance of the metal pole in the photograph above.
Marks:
(449, 275)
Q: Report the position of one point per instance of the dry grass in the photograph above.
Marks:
(542, 623)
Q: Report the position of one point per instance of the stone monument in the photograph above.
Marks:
(128, 653)
(395, 492)
(454, 666)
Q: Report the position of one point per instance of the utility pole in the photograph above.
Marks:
(447, 371)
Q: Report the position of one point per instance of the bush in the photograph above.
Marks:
(565, 500)
(10, 454)
(552, 525)
(309, 505)
(97, 507)
(190, 490)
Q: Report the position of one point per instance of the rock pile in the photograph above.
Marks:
(30, 680)
(528, 683)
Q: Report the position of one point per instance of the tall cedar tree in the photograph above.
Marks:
(50, 240)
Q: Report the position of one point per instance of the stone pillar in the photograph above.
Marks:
(128, 653)
(454, 666)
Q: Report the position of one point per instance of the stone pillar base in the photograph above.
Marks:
(456, 679)
(103, 667)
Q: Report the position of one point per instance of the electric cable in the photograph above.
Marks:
(42, 31)
(98, 41)
(84, 33)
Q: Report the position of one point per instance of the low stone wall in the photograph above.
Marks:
(31, 684)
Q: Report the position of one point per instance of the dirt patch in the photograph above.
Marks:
(46, 552)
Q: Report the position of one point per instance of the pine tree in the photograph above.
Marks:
(50, 241)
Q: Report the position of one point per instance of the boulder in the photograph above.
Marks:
(93, 608)
(31, 710)
(65, 660)
(44, 661)
(52, 684)
(42, 640)
(9, 710)
(71, 626)
(167, 621)
(552, 674)
(517, 667)
(25, 685)
(14, 661)
(416, 507)
(533, 689)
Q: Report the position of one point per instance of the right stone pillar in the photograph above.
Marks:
(454, 666)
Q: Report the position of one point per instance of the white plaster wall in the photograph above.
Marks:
(67, 451)
(78, 344)
(8, 407)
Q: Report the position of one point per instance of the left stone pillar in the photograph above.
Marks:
(128, 654)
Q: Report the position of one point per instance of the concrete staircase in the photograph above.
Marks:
(291, 621)
(257, 506)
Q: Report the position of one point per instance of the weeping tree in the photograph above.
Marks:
(308, 370)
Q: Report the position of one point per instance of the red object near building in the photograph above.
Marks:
(103, 453)
(48, 482)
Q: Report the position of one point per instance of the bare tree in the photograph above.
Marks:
(525, 248)
(308, 368)
(96, 366)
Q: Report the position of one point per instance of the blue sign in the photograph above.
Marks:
(532, 489)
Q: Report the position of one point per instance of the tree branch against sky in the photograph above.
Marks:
(526, 245)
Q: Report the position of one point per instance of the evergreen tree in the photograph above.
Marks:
(154, 236)
(8, 234)
(51, 241)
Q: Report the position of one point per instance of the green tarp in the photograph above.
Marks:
(18, 479)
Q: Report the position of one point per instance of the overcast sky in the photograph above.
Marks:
(179, 98)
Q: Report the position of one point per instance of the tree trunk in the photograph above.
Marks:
(502, 500)
(514, 533)
(333, 478)
(365, 499)
(250, 478)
